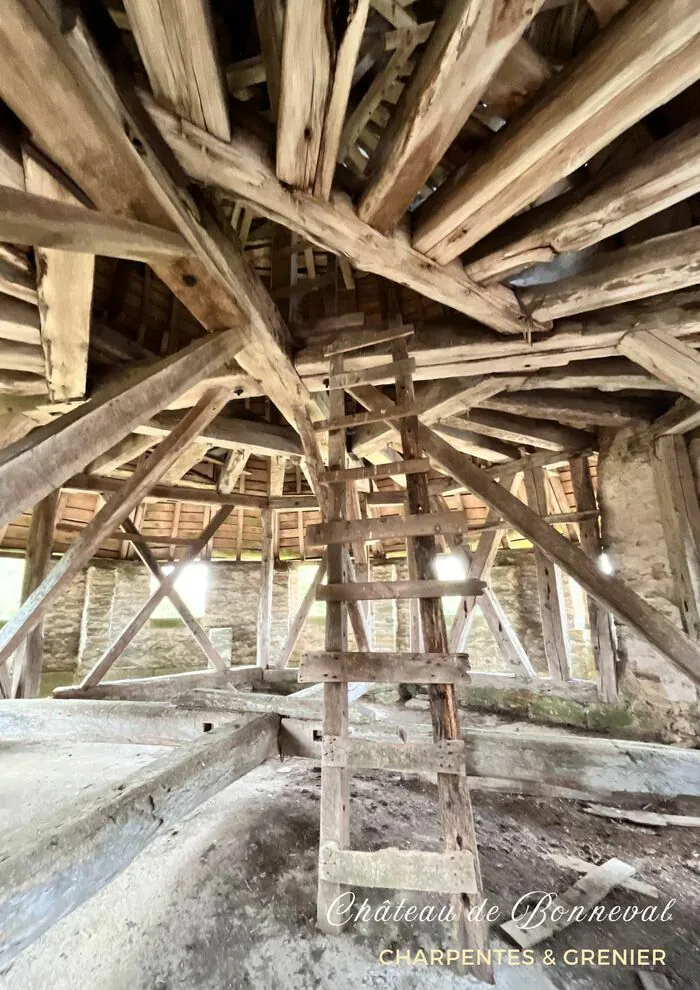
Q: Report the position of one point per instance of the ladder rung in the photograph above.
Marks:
(378, 374)
(419, 465)
(385, 527)
(445, 756)
(389, 668)
(373, 591)
(357, 340)
(399, 869)
(363, 418)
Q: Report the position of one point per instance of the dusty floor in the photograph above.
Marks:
(226, 899)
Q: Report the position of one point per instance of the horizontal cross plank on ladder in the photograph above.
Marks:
(417, 465)
(363, 418)
(375, 375)
(383, 668)
(385, 527)
(444, 756)
(372, 591)
(399, 869)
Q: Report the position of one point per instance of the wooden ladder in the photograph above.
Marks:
(456, 870)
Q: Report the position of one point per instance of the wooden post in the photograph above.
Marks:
(600, 620)
(267, 573)
(552, 608)
(26, 672)
(299, 621)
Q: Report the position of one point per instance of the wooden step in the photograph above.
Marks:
(357, 340)
(378, 374)
(364, 418)
(330, 667)
(445, 756)
(386, 527)
(419, 465)
(373, 591)
(399, 869)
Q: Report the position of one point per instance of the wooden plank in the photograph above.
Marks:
(466, 48)
(367, 376)
(641, 817)
(384, 527)
(661, 264)
(361, 419)
(64, 287)
(446, 756)
(666, 173)
(107, 519)
(392, 668)
(400, 869)
(670, 360)
(42, 221)
(299, 621)
(190, 457)
(348, 46)
(163, 687)
(26, 669)
(418, 465)
(17, 282)
(43, 461)
(269, 16)
(232, 470)
(356, 340)
(100, 835)
(618, 81)
(585, 893)
(304, 87)
(613, 593)
(243, 168)
(390, 590)
(177, 43)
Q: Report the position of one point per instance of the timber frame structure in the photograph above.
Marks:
(262, 306)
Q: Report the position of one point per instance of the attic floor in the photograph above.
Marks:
(226, 899)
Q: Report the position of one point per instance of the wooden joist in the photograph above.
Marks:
(362, 591)
(669, 359)
(444, 756)
(243, 168)
(417, 465)
(668, 172)
(401, 869)
(32, 468)
(391, 668)
(641, 60)
(177, 43)
(466, 47)
(384, 527)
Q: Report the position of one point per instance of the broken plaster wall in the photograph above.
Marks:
(659, 694)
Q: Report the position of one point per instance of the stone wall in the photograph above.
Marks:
(660, 695)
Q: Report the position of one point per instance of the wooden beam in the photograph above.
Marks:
(680, 518)
(177, 42)
(419, 465)
(299, 621)
(267, 573)
(670, 360)
(232, 470)
(610, 591)
(582, 411)
(263, 439)
(187, 494)
(465, 49)
(269, 16)
(32, 468)
(666, 173)
(519, 431)
(446, 756)
(384, 527)
(26, 670)
(27, 218)
(243, 168)
(390, 668)
(107, 519)
(189, 457)
(387, 590)
(102, 834)
(128, 449)
(662, 264)
(641, 60)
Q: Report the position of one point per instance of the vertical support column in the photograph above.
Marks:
(680, 518)
(600, 621)
(335, 812)
(453, 792)
(267, 572)
(554, 628)
(26, 672)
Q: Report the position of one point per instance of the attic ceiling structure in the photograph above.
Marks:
(278, 274)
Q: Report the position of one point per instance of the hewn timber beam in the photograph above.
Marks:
(669, 359)
(521, 430)
(641, 60)
(26, 218)
(243, 168)
(193, 495)
(269, 17)
(662, 264)
(610, 591)
(665, 174)
(580, 411)
(106, 520)
(41, 462)
(51, 866)
(466, 48)
(232, 433)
